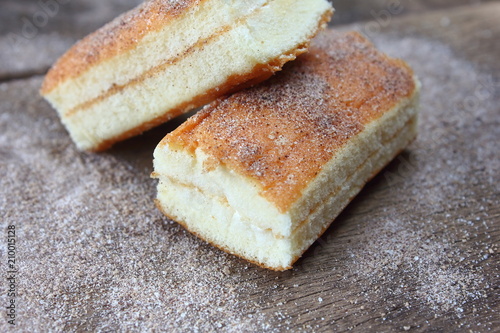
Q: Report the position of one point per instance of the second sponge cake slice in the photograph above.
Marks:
(262, 173)
(169, 56)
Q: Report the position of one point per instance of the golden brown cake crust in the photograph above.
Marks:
(281, 133)
(118, 36)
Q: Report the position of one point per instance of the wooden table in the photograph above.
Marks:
(417, 250)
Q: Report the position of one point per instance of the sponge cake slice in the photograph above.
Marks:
(262, 173)
(167, 57)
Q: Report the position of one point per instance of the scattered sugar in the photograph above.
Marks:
(94, 245)
(455, 144)
(94, 253)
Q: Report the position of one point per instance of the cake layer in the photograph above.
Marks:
(182, 62)
(262, 173)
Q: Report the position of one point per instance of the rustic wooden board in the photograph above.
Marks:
(417, 250)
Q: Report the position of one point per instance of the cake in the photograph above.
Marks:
(262, 173)
(166, 57)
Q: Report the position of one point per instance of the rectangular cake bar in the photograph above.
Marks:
(166, 57)
(263, 173)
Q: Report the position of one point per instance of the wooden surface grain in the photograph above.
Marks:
(416, 251)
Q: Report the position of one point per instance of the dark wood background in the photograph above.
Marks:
(417, 250)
